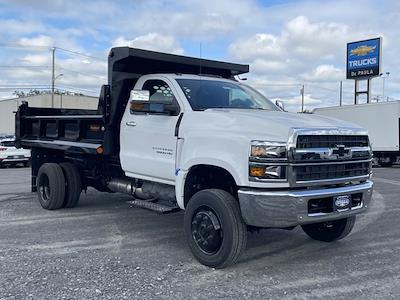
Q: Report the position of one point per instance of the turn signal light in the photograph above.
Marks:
(257, 171)
(267, 172)
(100, 150)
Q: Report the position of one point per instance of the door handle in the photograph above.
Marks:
(131, 123)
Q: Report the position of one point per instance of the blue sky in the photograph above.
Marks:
(286, 43)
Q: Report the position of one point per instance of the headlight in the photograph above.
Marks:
(268, 150)
(267, 160)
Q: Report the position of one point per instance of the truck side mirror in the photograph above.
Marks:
(280, 104)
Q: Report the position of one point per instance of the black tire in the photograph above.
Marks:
(50, 186)
(330, 231)
(73, 186)
(228, 242)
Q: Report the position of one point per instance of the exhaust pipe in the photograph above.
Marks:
(121, 186)
(126, 186)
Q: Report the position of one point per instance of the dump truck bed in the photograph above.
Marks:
(70, 130)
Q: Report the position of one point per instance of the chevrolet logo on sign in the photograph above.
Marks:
(363, 58)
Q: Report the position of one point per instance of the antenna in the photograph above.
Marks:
(200, 52)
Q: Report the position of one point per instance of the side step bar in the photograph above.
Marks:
(154, 206)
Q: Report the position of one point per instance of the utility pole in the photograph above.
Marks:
(383, 88)
(341, 93)
(53, 50)
(302, 98)
(383, 84)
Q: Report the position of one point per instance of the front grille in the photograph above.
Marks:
(331, 171)
(331, 141)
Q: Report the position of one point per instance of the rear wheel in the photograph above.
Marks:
(73, 186)
(51, 186)
(330, 231)
(214, 228)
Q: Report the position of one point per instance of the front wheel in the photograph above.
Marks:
(330, 231)
(214, 228)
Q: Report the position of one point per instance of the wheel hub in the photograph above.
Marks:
(44, 187)
(206, 231)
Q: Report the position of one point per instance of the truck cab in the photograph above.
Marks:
(181, 133)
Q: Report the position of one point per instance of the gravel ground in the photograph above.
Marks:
(106, 249)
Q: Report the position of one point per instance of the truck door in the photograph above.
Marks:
(148, 141)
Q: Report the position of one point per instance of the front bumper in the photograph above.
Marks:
(10, 161)
(280, 209)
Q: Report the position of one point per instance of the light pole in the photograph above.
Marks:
(58, 76)
(53, 58)
(383, 84)
(52, 90)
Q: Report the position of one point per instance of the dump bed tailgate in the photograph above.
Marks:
(71, 130)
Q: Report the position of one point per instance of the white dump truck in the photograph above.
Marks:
(180, 133)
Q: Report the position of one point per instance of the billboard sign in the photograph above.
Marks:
(364, 59)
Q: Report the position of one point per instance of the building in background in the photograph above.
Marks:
(8, 107)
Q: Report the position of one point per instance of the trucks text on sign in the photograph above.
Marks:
(363, 58)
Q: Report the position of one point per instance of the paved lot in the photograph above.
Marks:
(106, 249)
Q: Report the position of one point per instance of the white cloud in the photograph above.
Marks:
(302, 52)
(308, 100)
(260, 45)
(36, 59)
(286, 44)
(300, 42)
(17, 27)
(38, 41)
(294, 103)
(152, 41)
(311, 39)
(324, 73)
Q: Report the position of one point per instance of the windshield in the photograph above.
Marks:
(204, 94)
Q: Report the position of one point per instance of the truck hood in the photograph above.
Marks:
(259, 124)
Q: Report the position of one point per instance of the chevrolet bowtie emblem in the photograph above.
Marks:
(340, 151)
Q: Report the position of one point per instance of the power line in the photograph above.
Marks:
(21, 85)
(81, 73)
(278, 84)
(19, 46)
(328, 89)
(25, 88)
(80, 53)
(23, 67)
